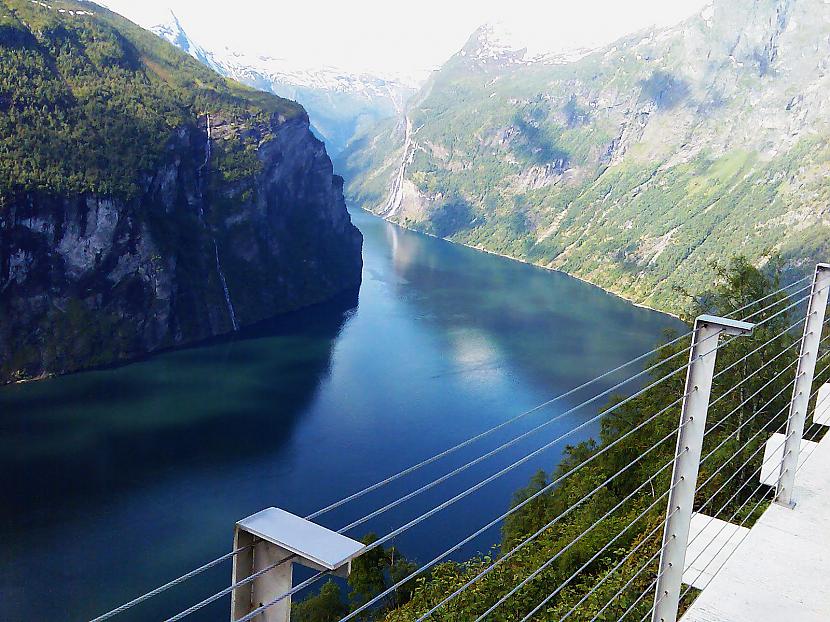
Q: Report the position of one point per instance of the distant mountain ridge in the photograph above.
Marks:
(340, 103)
(496, 42)
(634, 166)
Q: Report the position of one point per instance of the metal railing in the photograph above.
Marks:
(639, 557)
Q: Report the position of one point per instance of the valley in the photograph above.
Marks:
(423, 298)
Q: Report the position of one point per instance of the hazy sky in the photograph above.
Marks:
(395, 36)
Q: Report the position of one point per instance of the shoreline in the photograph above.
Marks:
(573, 276)
(526, 262)
(345, 300)
(50, 375)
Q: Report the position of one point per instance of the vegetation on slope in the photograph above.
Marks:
(89, 102)
(145, 201)
(632, 167)
(371, 574)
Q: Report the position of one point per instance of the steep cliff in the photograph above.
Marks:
(146, 202)
(635, 166)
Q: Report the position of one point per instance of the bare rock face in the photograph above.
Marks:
(89, 280)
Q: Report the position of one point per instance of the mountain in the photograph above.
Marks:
(174, 33)
(340, 103)
(499, 44)
(145, 201)
(635, 166)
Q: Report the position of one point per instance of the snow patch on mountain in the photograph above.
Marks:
(503, 42)
(173, 32)
(269, 71)
(251, 66)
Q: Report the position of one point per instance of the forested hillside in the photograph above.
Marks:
(89, 100)
(633, 166)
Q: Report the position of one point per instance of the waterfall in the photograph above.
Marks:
(207, 147)
(395, 198)
(225, 287)
(231, 312)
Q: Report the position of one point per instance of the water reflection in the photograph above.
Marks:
(559, 330)
(83, 438)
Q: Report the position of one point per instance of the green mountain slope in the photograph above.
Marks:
(89, 99)
(633, 167)
(145, 201)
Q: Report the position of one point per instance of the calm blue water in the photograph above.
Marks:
(115, 481)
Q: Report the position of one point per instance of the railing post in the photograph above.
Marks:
(803, 383)
(702, 356)
(270, 543)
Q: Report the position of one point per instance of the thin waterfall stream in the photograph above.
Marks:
(219, 271)
(231, 312)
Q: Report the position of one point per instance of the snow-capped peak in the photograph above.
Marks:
(512, 43)
(265, 70)
(173, 32)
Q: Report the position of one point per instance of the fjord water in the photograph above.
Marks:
(117, 480)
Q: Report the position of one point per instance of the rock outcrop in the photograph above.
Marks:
(90, 280)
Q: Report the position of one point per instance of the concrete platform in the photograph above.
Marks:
(781, 571)
(774, 454)
(711, 542)
(822, 412)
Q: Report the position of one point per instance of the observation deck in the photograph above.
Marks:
(781, 570)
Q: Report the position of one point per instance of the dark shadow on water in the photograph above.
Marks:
(86, 437)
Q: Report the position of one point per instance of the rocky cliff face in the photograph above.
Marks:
(227, 214)
(88, 279)
(635, 166)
